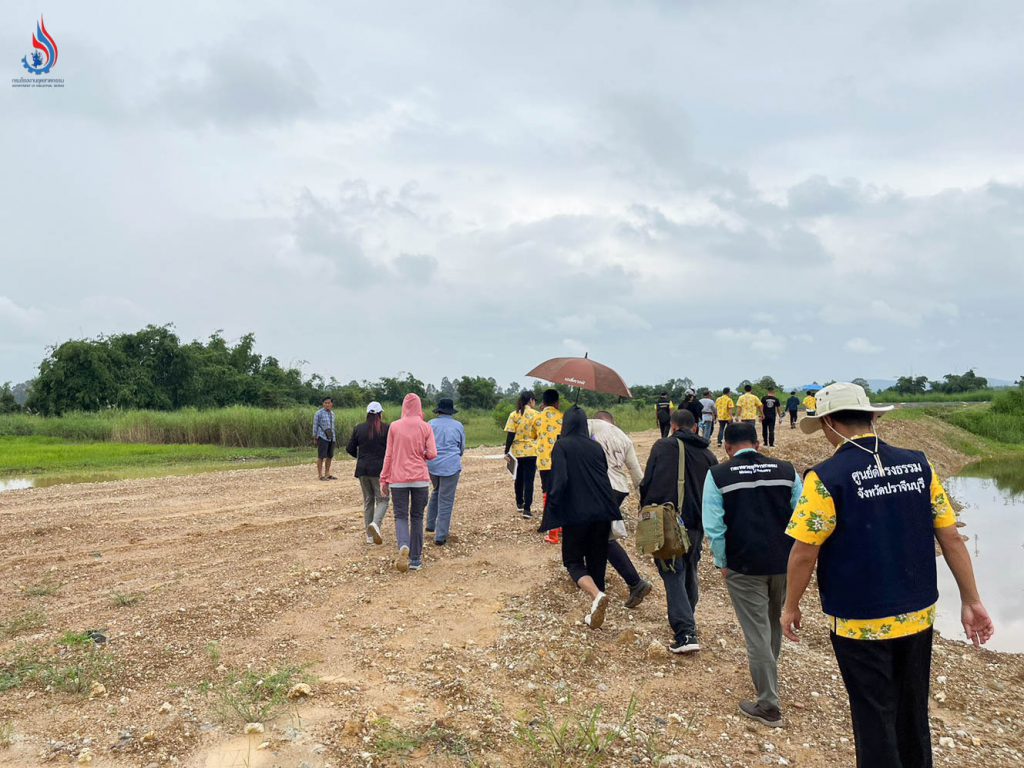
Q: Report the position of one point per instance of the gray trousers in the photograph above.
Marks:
(758, 601)
(375, 504)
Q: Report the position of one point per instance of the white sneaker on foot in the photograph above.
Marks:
(373, 533)
(402, 561)
(595, 618)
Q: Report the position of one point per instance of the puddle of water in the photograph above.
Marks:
(16, 484)
(993, 498)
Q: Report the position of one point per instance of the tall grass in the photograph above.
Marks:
(1002, 421)
(975, 396)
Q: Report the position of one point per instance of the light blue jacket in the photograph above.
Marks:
(450, 437)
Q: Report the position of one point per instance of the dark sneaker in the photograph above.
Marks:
(770, 717)
(527, 514)
(638, 593)
(519, 508)
(440, 542)
(688, 644)
(430, 530)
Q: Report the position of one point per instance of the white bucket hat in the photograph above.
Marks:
(841, 396)
(375, 407)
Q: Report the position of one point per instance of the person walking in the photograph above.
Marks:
(770, 414)
(869, 518)
(810, 404)
(663, 408)
(660, 485)
(749, 406)
(724, 406)
(792, 407)
(367, 446)
(445, 469)
(707, 416)
(581, 504)
(549, 427)
(748, 502)
(410, 445)
(693, 405)
(324, 438)
(623, 472)
(521, 442)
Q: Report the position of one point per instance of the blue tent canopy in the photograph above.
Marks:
(811, 387)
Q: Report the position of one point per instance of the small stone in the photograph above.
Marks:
(939, 696)
(300, 691)
(975, 741)
(947, 742)
(251, 728)
(97, 689)
(264, 745)
(723, 643)
(149, 737)
(657, 651)
(941, 679)
(85, 757)
(166, 708)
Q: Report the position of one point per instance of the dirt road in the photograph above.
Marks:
(195, 580)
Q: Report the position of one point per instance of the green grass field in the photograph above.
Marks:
(50, 460)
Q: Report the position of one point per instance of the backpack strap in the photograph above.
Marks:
(681, 483)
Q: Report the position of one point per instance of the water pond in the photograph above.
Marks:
(992, 494)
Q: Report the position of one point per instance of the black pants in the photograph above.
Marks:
(585, 551)
(722, 424)
(768, 431)
(663, 426)
(887, 681)
(525, 474)
(792, 419)
(618, 558)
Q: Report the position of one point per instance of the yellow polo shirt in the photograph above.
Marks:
(724, 406)
(811, 403)
(748, 405)
(813, 521)
(549, 427)
(524, 427)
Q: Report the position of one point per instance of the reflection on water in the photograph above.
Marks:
(16, 484)
(993, 497)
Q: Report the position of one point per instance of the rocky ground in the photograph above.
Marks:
(219, 593)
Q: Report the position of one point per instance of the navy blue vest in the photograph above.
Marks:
(757, 496)
(880, 559)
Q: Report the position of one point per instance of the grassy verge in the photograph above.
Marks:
(974, 396)
(50, 460)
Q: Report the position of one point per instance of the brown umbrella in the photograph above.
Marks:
(582, 373)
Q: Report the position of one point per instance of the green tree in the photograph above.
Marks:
(78, 375)
(910, 385)
(477, 392)
(7, 402)
(863, 383)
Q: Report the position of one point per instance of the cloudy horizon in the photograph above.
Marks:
(714, 192)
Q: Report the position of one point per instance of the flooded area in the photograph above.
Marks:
(992, 494)
(16, 484)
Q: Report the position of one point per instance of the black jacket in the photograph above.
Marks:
(580, 492)
(695, 407)
(368, 452)
(661, 478)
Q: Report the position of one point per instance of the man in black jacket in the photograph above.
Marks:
(660, 486)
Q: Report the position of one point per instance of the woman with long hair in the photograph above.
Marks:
(367, 446)
(521, 442)
(410, 445)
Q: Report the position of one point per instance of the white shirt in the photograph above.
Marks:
(620, 453)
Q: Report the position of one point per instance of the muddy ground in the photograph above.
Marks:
(480, 659)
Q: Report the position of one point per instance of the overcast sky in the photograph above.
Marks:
(813, 190)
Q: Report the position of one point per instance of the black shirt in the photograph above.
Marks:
(771, 407)
(793, 404)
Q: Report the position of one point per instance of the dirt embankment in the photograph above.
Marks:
(451, 666)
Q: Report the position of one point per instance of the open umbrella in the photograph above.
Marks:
(582, 373)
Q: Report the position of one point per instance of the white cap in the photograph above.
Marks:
(840, 396)
(375, 407)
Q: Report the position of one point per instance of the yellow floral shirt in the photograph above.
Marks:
(811, 403)
(524, 427)
(813, 521)
(749, 404)
(549, 427)
(724, 406)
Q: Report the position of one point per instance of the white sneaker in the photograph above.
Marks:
(402, 561)
(373, 534)
(369, 539)
(595, 618)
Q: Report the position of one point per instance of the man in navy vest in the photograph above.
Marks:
(748, 502)
(869, 517)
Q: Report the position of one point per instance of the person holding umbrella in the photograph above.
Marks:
(581, 503)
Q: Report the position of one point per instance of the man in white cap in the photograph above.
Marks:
(869, 517)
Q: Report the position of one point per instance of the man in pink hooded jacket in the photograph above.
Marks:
(410, 446)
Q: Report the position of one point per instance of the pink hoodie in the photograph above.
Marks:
(410, 446)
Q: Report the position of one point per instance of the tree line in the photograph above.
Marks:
(151, 369)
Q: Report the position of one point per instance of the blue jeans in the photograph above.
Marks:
(442, 502)
(681, 591)
(706, 429)
(408, 504)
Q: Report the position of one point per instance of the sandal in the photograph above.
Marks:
(330, 477)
